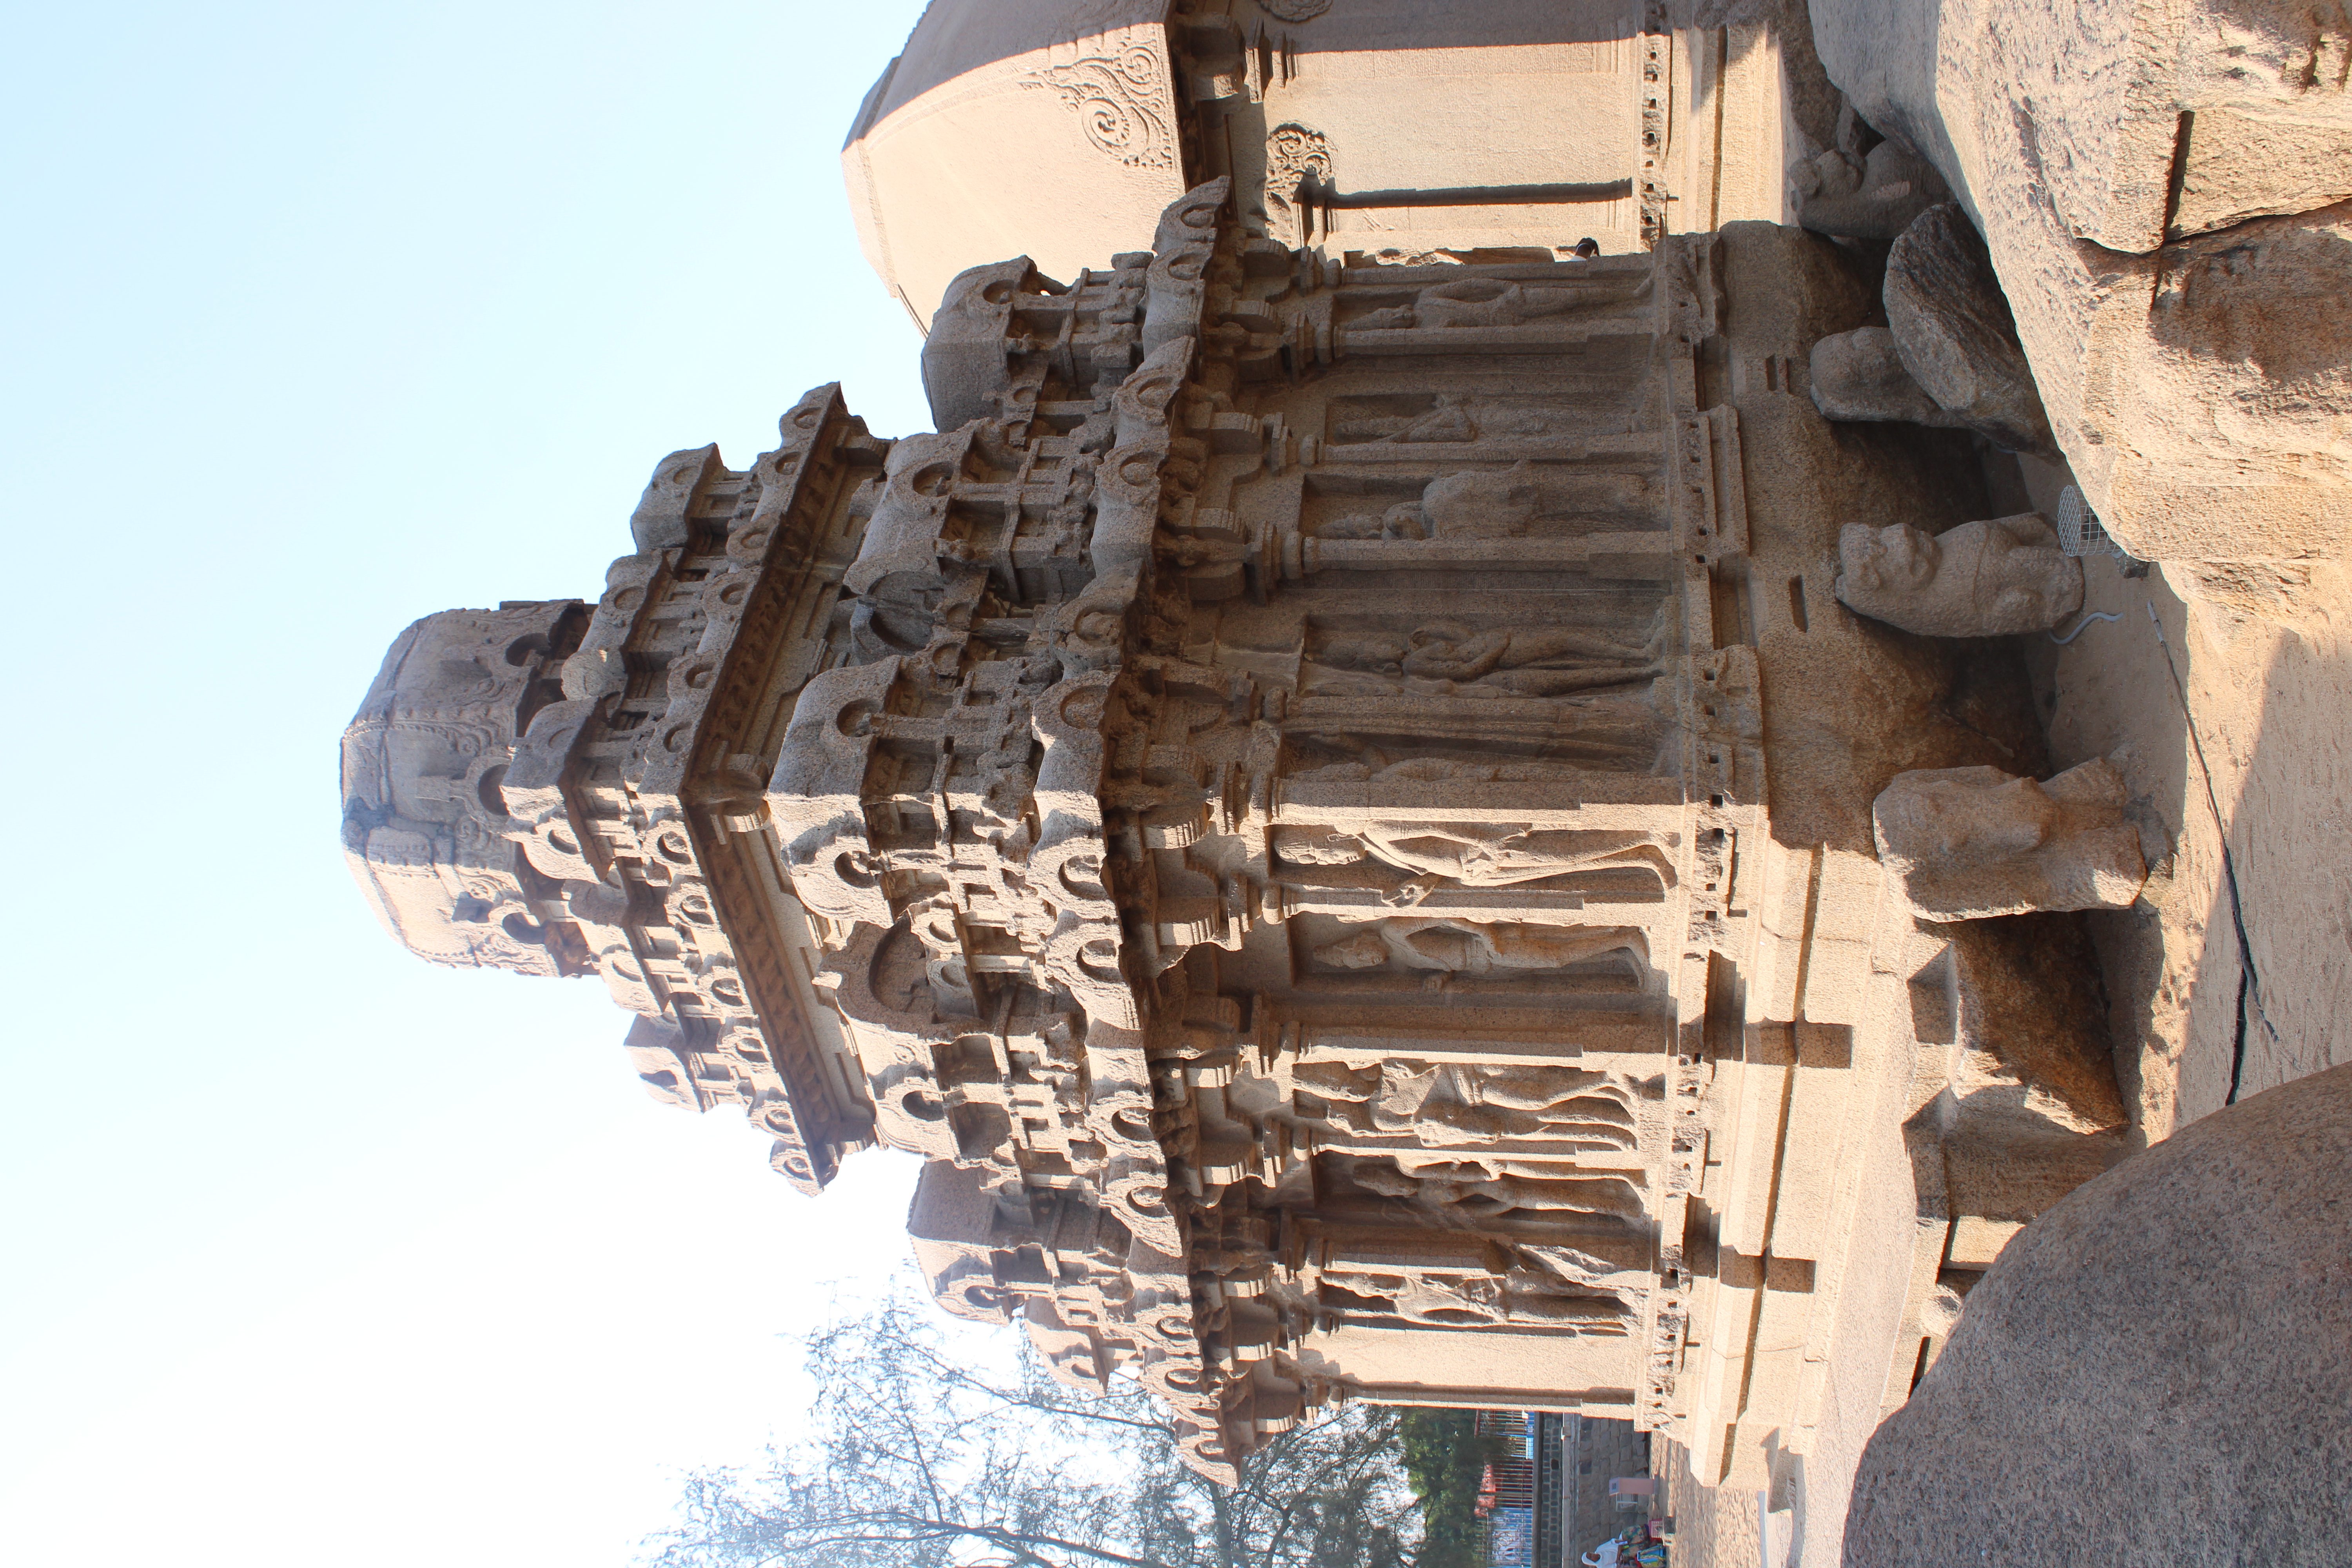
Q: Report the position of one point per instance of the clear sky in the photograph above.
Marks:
(320, 318)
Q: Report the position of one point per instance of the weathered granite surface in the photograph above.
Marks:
(2154, 1371)
(2163, 191)
(1955, 332)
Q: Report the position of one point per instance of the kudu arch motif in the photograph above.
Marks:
(1265, 804)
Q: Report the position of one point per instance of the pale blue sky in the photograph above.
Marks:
(321, 319)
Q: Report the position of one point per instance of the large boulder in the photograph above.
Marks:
(1955, 333)
(2163, 190)
(2157, 1371)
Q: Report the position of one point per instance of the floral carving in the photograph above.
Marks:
(1294, 156)
(1116, 95)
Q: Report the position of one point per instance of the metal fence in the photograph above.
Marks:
(1524, 1489)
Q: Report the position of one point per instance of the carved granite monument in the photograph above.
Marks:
(1273, 801)
(1970, 843)
(1981, 579)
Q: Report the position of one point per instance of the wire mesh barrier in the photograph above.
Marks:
(2079, 532)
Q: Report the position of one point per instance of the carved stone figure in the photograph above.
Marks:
(1981, 579)
(1507, 503)
(1373, 662)
(1539, 663)
(1469, 1303)
(1454, 420)
(1486, 504)
(1449, 1107)
(1469, 1188)
(1447, 658)
(1468, 854)
(1472, 856)
(1484, 302)
(1967, 843)
(1466, 947)
(1874, 196)
(1860, 377)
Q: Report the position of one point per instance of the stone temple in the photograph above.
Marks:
(1337, 800)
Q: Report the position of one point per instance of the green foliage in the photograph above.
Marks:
(1445, 1460)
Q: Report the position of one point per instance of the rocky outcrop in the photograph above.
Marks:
(2154, 1371)
(2163, 194)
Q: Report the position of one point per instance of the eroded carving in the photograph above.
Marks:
(1980, 580)
(1497, 302)
(1116, 95)
(1472, 855)
(1297, 161)
(1968, 843)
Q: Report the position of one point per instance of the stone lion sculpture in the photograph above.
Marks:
(1980, 580)
(1966, 843)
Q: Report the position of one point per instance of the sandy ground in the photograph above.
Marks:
(2271, 699)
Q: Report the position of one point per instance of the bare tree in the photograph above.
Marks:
(917, 1458)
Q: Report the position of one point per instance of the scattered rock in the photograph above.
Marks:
(2195, 363)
